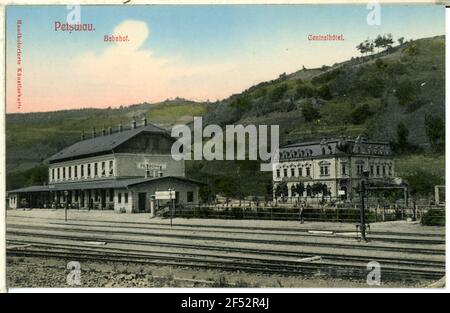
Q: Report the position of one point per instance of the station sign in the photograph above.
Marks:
(165, 195)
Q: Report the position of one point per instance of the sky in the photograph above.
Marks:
(201, 53)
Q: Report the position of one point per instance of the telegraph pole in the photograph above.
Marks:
(65, 207)
(173, 206)
(362, 222)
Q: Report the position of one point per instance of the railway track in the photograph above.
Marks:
(353, 271)
(174, 247)
(245, 229)
(10, 230)
(302, 233)
(259, 252)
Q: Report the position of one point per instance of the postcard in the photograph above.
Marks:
(225, 146)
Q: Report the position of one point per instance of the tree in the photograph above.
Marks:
(421, 183)
(278, 92)
(305, 91)
(362, 48)
(281, 190)
(324, 92)
(402, 137)
(405, 92)
(299, 189)
(379, 42)
(401, 40)
(360, 114)
(316, 188)
(241, 104)
(368, 46)
(388, 41)
(435, 130)
(309, 112)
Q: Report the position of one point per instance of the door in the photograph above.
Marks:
(141, 201)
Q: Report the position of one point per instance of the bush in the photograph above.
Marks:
(405, 92)
(360, 114)
(434, 217)
(278, 92)
(309, 112)
(305, 91)
(324, 92)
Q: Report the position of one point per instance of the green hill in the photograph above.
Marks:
(369, 95)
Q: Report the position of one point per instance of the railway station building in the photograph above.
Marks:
(339, 164)
(117, 170)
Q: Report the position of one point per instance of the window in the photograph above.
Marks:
(384, 170)
(82, 170)
(111, 168)
(292, 172)
(323, 150)
(359, 169)
(190, 196)
(111, 195)
(103, 169)
(372, 170)
(324, 170)
(308, 171)
(378, 170)
(300, 171)
(390, 170)
(285, 172)
(119, 198)
(89, 170)
(126, 197)
(75, 172)
(70, 172)
(53, 174)
(57, 173)
(278, 173)
(344, 169)
(64, 173)
(95, 169)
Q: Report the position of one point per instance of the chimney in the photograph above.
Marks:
(103, 131)
(134, 124)
(93, 132)
(82, 135)
(120, 127)
(110, 130)
(145, 121)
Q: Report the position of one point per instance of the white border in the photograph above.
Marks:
(193, 290)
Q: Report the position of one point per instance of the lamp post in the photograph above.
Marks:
(66, 193)
(362, 222)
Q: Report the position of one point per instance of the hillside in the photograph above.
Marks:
(368, 95)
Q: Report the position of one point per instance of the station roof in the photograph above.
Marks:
(102, 143)
(101, 184)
